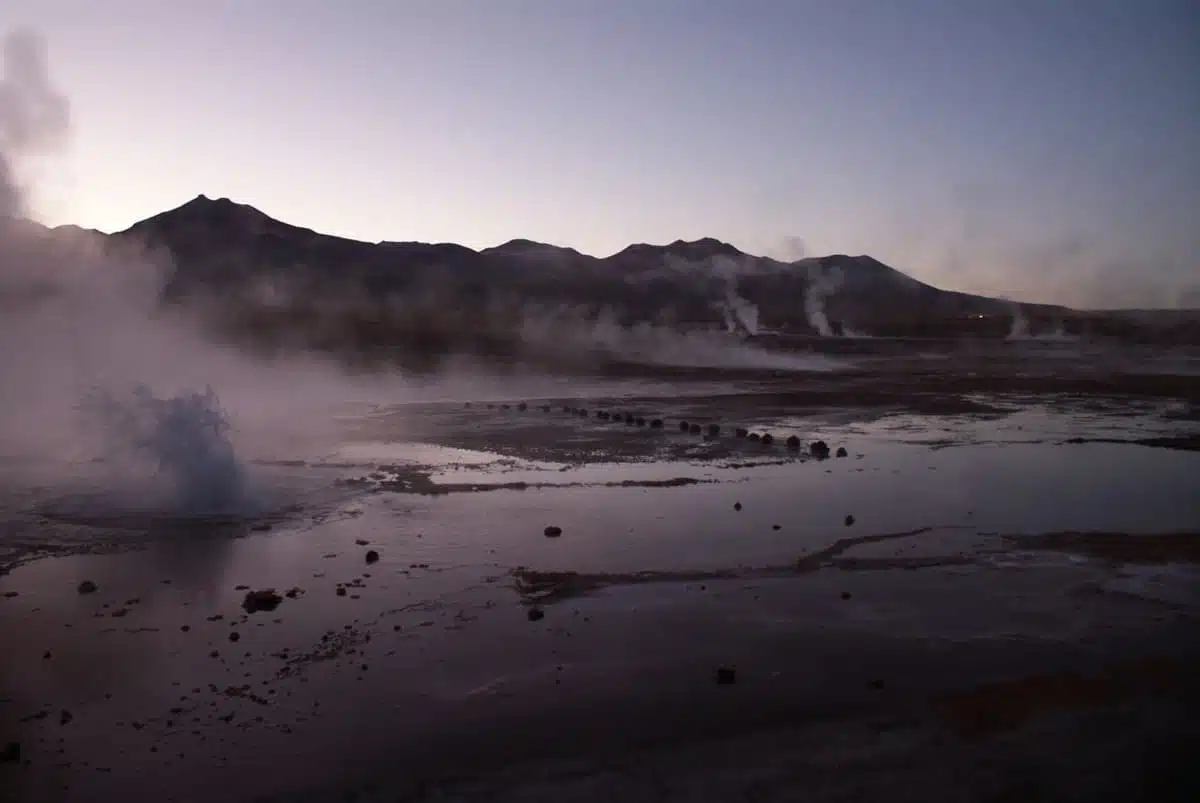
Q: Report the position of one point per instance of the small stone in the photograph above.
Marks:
(185, 628)
(11, 754)
(657, 423)
(684, 426)
(741, 432)
(849, 521)
(714, 430)
(46, 656)
(877, 684)
(361, 541)
(261, 527)
(535, 614)
(262, 600)
(726, 676)
(767, 440)
(234, 636)
(819, 449)
(754, 436)
(694, 429)
(841, 452)
(522, 406)
(10, 594)
(776, 527)
(553, 531)
(793, 443)
(737, 506)
(87, 587)
(65, 717)
(845, 595)
(372, 556)
(341, 592)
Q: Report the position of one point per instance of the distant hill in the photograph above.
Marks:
(221, 245)
(271, 284)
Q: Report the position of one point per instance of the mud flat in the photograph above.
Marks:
(992, 595)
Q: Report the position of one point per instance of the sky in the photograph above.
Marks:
(1046, 151)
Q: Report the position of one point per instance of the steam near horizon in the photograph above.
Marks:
(1046, 157)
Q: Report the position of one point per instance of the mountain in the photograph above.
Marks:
(220, 245)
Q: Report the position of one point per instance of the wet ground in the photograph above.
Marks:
(992, 595)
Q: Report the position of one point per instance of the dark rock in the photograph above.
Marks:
(185, 628)
(535, 614)
(293, 592)
(819, 449)
(849, 521)
(754, 436)
(714, 430)
(10, 594)
(341, 592)
(694, 429)
(737, 506)
(46, 655)
(568, 408)
(522, 406)
(793, 443)
(262, 600)
(240, 588)
(467, 405)
(641, 422)
(234, 636)
(845, 595)
(776, 527)
(767, 440)
(553, 531)
(87, 587)
(656, 424)
(603, 414)
(726, 676)
(65, 717)
(630, 418)
(684, 426)
(361, 541)
(583, 412)
(741, 432)
(260, 527)
(372, 556)
(877, 684)
(11, 754)
(506, 407)
(841, 452)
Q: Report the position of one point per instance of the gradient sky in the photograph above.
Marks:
(1046, 150)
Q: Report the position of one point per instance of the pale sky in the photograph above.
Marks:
(1048, 149)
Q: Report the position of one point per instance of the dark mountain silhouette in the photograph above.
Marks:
(273, 284)
(222, 246)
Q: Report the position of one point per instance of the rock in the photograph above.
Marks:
(87, 587)
(776, 527)
(849, 521)
(714, 430)
(467, 405)
(741, 432)
(754, 436)
(506, 407)
(46, 655)
(552, 531)
(65, 717)
(341, 592)
(372, 556)
(361, 541)
(603, 414)
(260, 527)
(10, 594)
(726, 676)
(185, 628)
(845, 595)
(841, 452)
(234, 636)
(630, 418)
(568, 408)
(656, 424)
(262, 600)
(522, 406)
(293, 592)
(641, 422)
(238, 588)
(793, 443)
(535, 614)
(694, 429)
(877, 684)
(737, 506)
(819, 449)
(11, 754)
(684, 426)
(767, 440)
